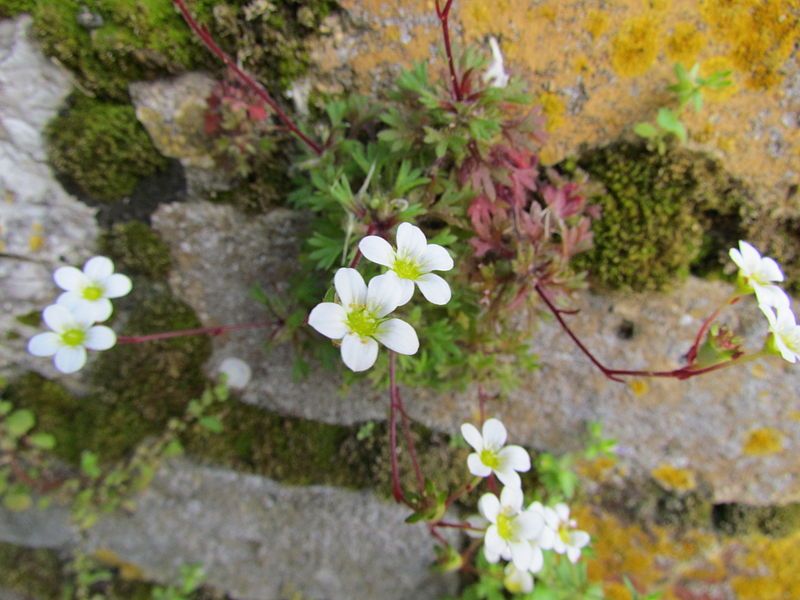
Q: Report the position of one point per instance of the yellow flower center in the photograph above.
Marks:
(73, 337)
(92, 292)
(504, 526)
(362, 322)
(490, 458)
(563, 533)
(407, 269)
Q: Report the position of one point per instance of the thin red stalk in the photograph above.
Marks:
(244, 76)
(449, 525)
(412, 451)
(397, 489)
(692, 354)
(481, 404)
(439, 537)
(444, 15)
(165, 335)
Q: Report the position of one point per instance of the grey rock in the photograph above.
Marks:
(260, 540)
(41, 226)
(37, 528)
(700, 424)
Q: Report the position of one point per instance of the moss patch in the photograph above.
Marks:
(102, 148)
(136, 250)
(662, 215)
(32, 573)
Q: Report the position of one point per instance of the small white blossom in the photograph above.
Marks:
(511, 529)
(496, 75)
(411, 263)
(92, 287)
(237, 372)
(72, 333)
(517, 581)
(492, 456)
(560, 534)
(360, 319)
(759, 274)
(785, 331)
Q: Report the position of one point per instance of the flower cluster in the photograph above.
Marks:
(511, 531)
(86, 300)
(361, 317)
(758, 275)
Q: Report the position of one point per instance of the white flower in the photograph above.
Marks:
(560, 534)
(92, 287)
(237, 372)
(360, 320)
(491, 457)
(511, 530)
(759, 274)
(412, 263)
(496, 75)
(785, 331)
(517, 581)
(72, 334)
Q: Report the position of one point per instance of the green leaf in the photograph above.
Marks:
(45, 441)
(670, 122)
(173, 448)
(5, 407)
(645, 130)
(90, 464)
(20, 422)
(213, 424)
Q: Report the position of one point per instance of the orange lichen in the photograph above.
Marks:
(771, 569)
(639, 387)
(685, 43)
(635, 47)
(674, 478)
(553, 109)
(763, 441)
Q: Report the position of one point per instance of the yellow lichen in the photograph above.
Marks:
(674, 478)
(127, 570)
(597, 469)
(553, 109)
(763, 441)
(770, 570)
(685, 43)
(581, 65)
(36, 238)
(795, 415)
(639, 387)
(635, 47)
(596, 23)
(717, 64)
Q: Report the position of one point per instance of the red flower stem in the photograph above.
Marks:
(438, 536)
(394, 406)
(444, 15)
(692, 354)
(681, 373)
(448, 525)
(243, 76)
(213, 331)
(412, 451)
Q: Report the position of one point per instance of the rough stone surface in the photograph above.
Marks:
(260, 540)
(41, 226)
(701, 424)
(172, 112)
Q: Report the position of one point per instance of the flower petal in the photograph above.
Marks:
(329, 319)
(750, 257)
(350, 287)
(769, 270)
(511, 497)
(117, 285)
(508, 478)
(58, 317)
(377, 250)
(100, 337)
(70, 358)
(406, 289)
(562, 510)
(411, 242)
(515, 458)
(359, 354)
(737, 258)
(383, 294)
(537, 560)
(434, 288)
(494, 434)
(521, 554)
(436, 258)
(476, 466)
(530, 525)
(489, 507)
(399, 336)
(472, 436)
(44, 344)
(770, 295)
(98, 268)
(490, 552)
(70, 278)
(493, 541)
(579, 538)
(573, 554)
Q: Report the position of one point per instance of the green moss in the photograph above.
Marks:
(12, 8)
(102, 148)
(136, 250)
(31, 319)
(662, 215)
(31, 573)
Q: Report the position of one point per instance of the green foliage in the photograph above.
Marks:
(661, 215)
(136, 250)
(101, 147)
(191, 578)
(11, 8)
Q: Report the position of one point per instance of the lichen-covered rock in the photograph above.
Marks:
(702, 424)
(41, 226)
(260, 540)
